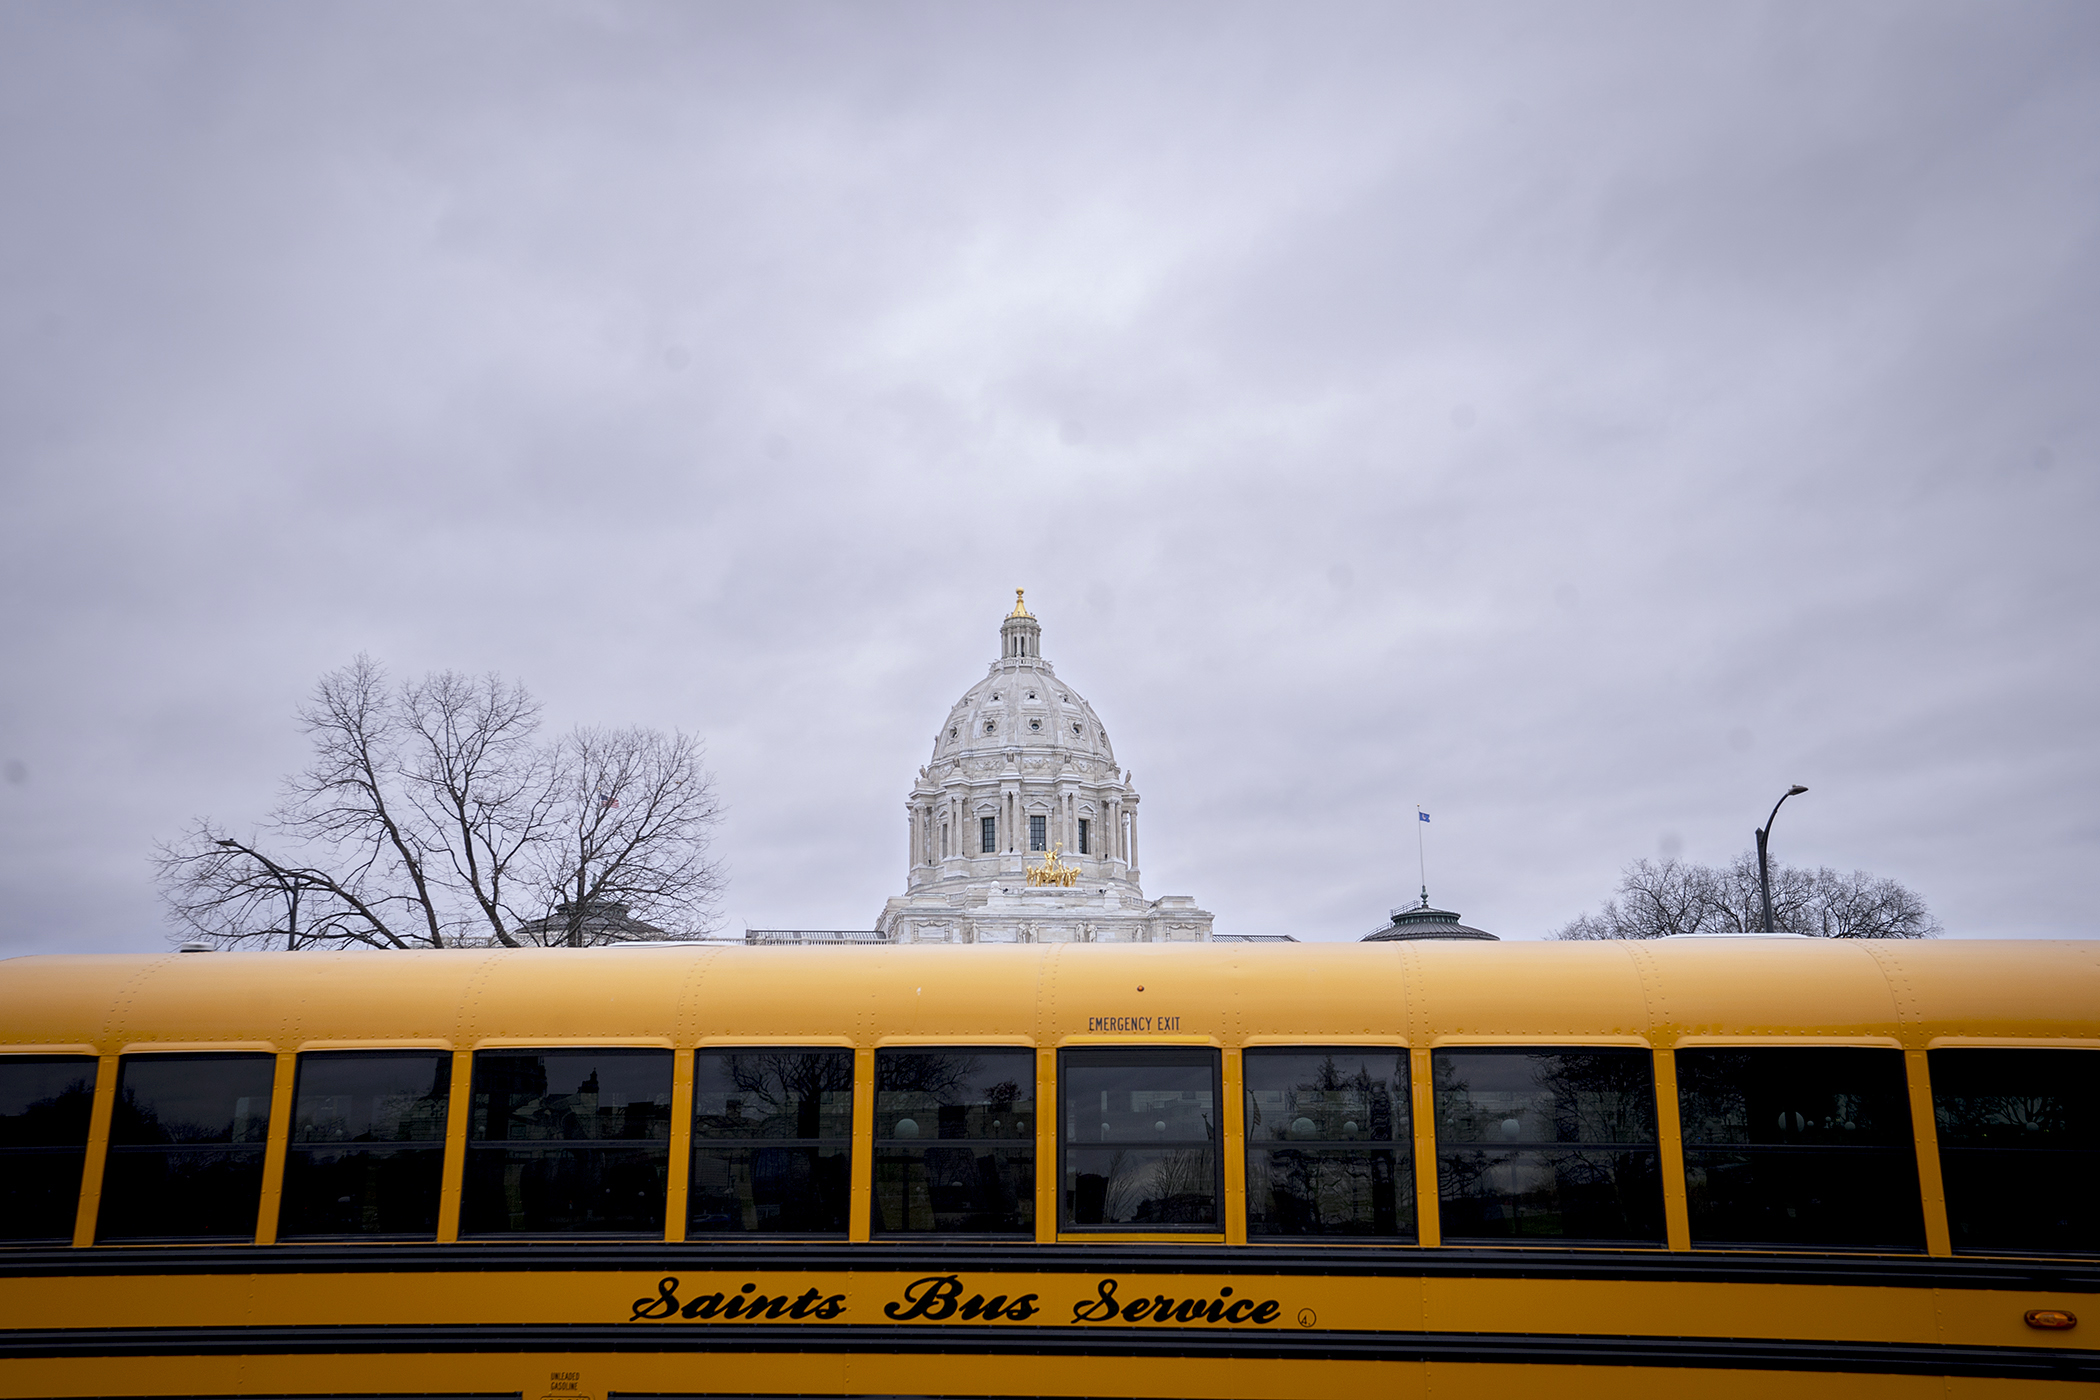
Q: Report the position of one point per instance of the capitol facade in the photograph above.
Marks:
(1023, 829)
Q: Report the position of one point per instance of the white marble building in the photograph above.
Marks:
(1022, 828)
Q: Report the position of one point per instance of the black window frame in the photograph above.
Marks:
(388, 1147)
(1401, 1146)
(848, 1143)
(524, 1148)
(50, 1155)
(1966, 1167)
(1038, 833)
(1085, 832)
(1070, 1055)
(1026, 1143)
(118, 1197)
(1701, 1154)
(987, 836)
(1626, 1148)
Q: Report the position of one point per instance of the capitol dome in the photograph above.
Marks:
(1022, 826)
(1023, 708)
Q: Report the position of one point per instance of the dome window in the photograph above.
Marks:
(1031, 695)
(990, 726)
(995, 695)
(955, 733)
(1075, 729)
(1036, 725)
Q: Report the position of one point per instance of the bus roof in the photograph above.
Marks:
(1662, 992)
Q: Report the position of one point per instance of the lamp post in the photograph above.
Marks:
(1764, 873)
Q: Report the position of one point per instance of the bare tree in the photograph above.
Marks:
(628, 826)
(483, 790)
(1738, 903)
(232, 893)
(348, 803)
(1656, 899)
(431, 813)
(1860, 905)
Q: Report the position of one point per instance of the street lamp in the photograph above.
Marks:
(1764, 874)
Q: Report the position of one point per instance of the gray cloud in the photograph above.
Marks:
(1581, 421)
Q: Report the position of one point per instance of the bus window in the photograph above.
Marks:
(955, 1141)
(1799, 1147)
(186, 1147)
(567, 1142)
(1329, 1148)
(2019, 1148)
(1547, 1144)
(368, 1144)
(1141, 1139)
(772, 1142)
(44, 1105)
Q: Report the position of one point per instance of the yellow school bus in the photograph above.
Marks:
(1713, 1167)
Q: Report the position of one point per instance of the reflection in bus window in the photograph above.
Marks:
(186, 1147)
(44, 1105)
(1140, 1139)
(772, 1142)
(1799, 1147)
(955, 1141)
(367, 1144)
(1548, 1144)
(2019, 1148)
(563, 1142)
(1329, 1148)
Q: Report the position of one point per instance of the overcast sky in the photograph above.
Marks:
(1580, 421)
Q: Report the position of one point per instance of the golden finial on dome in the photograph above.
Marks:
(1020, 608)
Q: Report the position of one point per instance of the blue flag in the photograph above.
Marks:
(1422, 814)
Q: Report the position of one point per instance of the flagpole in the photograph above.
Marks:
(1421, 860)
